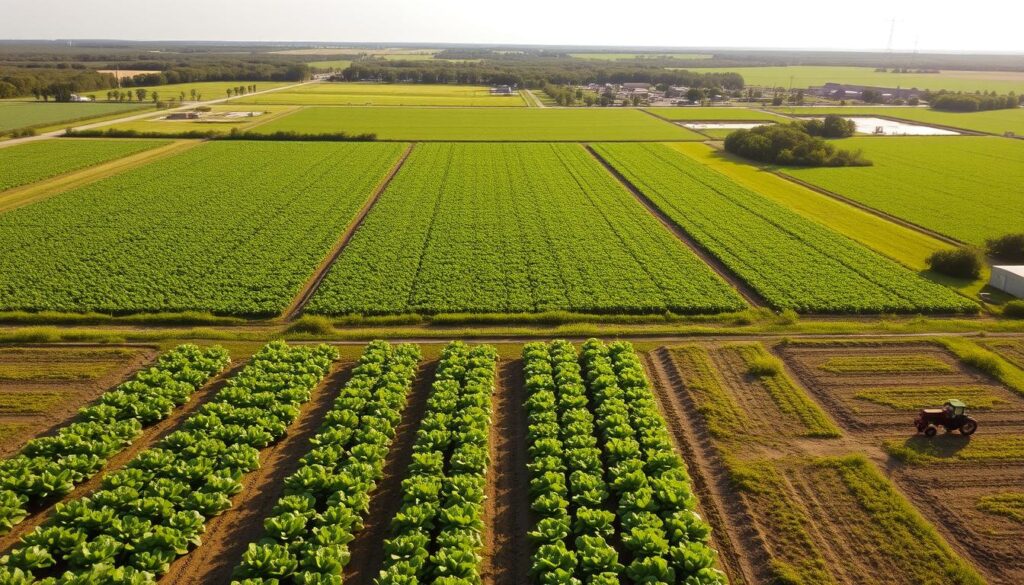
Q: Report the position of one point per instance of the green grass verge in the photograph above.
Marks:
(1007, 504)
(986, 361)
(953, 447)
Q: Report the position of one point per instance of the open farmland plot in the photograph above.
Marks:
(35, 161)
(786, 506)
(74, 375)
(225, 227)
(15, 114)
(794, 263)
(965, 187)
(878, 388)
(484, 124)
(990, 121)
(511, 229)
(384, 94)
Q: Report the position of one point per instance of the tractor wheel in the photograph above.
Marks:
(930, 431)
(969, 426)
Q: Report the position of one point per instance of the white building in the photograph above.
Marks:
(1009, 279)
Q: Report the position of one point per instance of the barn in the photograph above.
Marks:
(1009, 279)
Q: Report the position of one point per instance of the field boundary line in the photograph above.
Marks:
(47, 188)
(867, 208)
(746, 291)
(311, 285)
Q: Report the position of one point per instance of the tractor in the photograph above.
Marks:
(952, 416)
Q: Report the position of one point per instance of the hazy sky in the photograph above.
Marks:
(864, 24)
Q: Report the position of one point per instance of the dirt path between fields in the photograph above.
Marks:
(386, 499)
(507, 508)
(149, 437)
(228, 535)
(308, 289)
(723, 272)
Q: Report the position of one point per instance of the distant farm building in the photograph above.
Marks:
(845, 91)
(502, 90)
(1009, 279)
(183, 116)
(636, 87)
(80, 98)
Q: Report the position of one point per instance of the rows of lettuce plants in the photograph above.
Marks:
(50, 467)
(575, 529)
(662, 539)
(437, 534)
(326, 499)
(156, 508)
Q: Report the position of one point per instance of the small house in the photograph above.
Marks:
(1009, 279)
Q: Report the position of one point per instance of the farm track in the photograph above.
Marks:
(89, 391)
(507, 514)
(309, 289)
(741, 555)
(148, 438)
(228, 535)
(47, 188)
(386, 499)
(748, 293)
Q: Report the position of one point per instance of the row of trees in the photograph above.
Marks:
(832, 126)
(790, 144)
(970, 102)
(968, 261)
(533, 73)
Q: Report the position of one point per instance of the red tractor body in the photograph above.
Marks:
(952, 417)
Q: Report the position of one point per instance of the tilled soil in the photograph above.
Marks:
(75, 393)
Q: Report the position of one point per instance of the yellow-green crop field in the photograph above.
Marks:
(484, 124)
(221, 119)
(966, 187)
(807, 76)
(385, 94)
(35, 161)
(19, 114)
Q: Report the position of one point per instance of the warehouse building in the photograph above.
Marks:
(1009, 279)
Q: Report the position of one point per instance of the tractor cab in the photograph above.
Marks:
(952, 416)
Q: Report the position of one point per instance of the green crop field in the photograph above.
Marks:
(484, 124)
(807, 76)
(697, 114)
(385, 94)
(24, 114)
(511, 229)
(966, 187)
(990, 122)
(792, 262)
(227, 227)
(35, 161)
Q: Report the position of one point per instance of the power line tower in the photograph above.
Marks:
(888, 45)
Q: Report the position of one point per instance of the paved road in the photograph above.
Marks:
(142, 116)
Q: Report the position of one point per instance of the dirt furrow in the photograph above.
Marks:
(367, 554)
(718, 500)
(507, 509)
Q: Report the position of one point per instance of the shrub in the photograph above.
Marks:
(1009, 247)
(1014, 310)
(790, 144)
(963, 262)
(764, 366)
(312, 324)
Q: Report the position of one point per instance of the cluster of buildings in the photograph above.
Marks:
(845, 91)
(649, 94)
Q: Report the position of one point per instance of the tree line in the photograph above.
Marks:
(973, 102)
(790, 144)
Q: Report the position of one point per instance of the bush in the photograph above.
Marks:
(963, 262)
(1009, 248)
(1014, 310)
(789, 144)
(832, 126)
(764, 366)
(313, 325)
